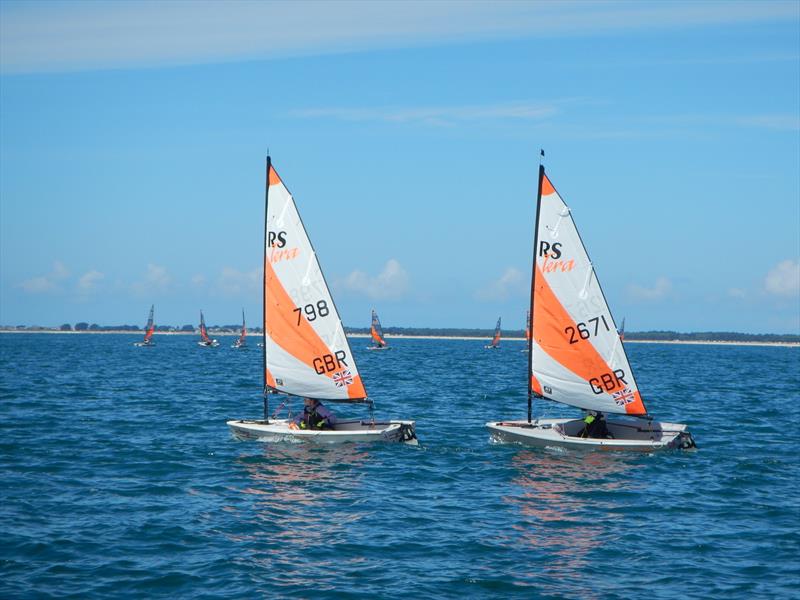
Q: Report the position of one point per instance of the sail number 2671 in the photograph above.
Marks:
(583, 332)
(312, 311)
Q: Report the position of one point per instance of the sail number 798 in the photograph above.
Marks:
(583, 332)
(312, 311)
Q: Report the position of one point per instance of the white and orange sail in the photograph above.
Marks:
(577, 356)
(306, 351)
(150, 327)
(376, 331)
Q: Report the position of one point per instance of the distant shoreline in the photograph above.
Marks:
(408, 337)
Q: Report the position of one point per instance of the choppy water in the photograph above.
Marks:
(119, 478)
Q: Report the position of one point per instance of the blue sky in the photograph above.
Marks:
(133, 138)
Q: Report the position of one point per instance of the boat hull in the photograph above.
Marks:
(635, 436)
(211, 344)
(345, 431)
(379, 348)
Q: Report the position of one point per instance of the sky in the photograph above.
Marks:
(133, 137)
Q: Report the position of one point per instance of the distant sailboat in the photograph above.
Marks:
(576, 356)
(148, 331)
(495, 343)
(240, 342)
(622, 330)
(204, 339)
(377, 334)
(306, 352)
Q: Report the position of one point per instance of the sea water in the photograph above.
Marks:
(119, 478)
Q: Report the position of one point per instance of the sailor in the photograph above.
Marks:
(315, 416)
(594, 425)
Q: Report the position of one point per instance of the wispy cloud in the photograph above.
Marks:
(51, 282)
(511, 282)
(390, 284)
(156, 279)
(232, 282)
(434, 115)
(87, 283)
(77, 35)
(658, 291)
(783, 279)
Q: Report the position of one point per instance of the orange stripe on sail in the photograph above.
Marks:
(301, 341)
(536, 386)
(375, 336)
(550, 319)
(547, 187)
(271, 380)
(273, 176)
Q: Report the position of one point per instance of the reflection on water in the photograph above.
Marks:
(297, 486)
(555, 494)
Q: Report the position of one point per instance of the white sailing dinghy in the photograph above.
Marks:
(205, 341)
(576, 356)
(306, 353)
(241, 341)
(495, 343)
(148, 331)
(377, 334)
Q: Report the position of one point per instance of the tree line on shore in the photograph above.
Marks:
(666, 336)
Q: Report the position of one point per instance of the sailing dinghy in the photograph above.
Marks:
(495, 343)
(306, 353)
(527, 332)
(377, 334)
(204, 339)
(576, 356)
(240, 342)
(148, 331)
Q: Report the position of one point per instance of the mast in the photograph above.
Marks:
(533, 283)
(264, 294)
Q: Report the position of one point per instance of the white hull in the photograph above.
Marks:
(379, 348)
(345, 431)
(144, 344)
(492, 347)
(637, 435)
(211, 344)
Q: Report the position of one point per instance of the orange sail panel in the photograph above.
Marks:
(376, 331)
(578, 358)
(496, 336)
(150, 327)
(307, 353)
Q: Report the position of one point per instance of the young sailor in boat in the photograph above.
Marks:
(595, 426)
(315, 416)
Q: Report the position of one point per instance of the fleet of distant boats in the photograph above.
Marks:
(576, 354)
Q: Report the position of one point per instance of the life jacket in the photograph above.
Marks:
(312, 420)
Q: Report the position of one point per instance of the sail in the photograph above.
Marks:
(376, 331)
(307, 353)
(622, 330)
(577, 356)
(496, 337)
(244, 330)
(150, 327)
(528, 327)
(203, 333)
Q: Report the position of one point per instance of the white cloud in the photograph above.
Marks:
(737, 293)
(434, 115)
(390, 283)
(511, 282)
(156, 279)
(662, 287)
(46, 283)
(58, 36)
(198, 280)
(88, 281)
(777, 122)
(232, 282)
(783, 279)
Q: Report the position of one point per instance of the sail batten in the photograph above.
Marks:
(576, 357)
(306, 350)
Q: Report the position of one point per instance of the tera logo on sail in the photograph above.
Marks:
(553, 251)
(276, 242)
